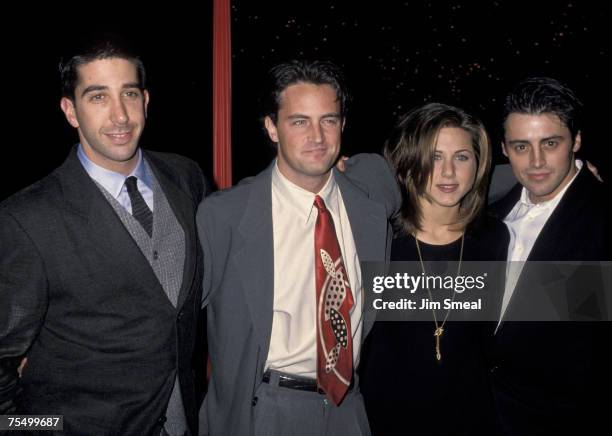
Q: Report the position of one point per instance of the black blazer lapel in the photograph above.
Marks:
(551, 243)
(502, 208)
(91, 214)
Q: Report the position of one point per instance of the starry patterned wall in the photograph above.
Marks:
(397, 55)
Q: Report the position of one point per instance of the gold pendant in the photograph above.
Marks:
(438, 334)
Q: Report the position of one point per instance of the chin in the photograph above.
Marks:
(123, 157)
(538, 188)
(445, 202)
(320, 170)
(540, 192)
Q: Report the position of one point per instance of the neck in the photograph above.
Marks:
(124, 168)
(438, 224)
(121, 167)
(312, 184)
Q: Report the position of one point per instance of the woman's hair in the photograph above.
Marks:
(410, 151)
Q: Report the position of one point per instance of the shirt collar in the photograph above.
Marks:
(552, 203)
(301, 199)
(111, 180)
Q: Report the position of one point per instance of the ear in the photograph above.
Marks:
(577, 142)
(271, 129)
(69, 110)
(503, 146)
(146, 101)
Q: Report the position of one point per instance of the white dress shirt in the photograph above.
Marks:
(293, 347)
(525, 222)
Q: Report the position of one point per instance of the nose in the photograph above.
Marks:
(316, 133)
(119, 113)
(448, 168)
(537, 158)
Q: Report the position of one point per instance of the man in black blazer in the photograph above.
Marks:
(545, 374)
(100, 268)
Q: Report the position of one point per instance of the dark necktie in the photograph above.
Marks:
(334, 302)
(140, 210)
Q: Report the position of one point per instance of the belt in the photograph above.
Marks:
(294, 382)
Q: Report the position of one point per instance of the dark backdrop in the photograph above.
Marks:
(176, 47)
(396, 55)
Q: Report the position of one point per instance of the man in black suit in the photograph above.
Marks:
(544, 374)
(100, 268)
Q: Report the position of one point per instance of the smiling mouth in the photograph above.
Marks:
(448, 188)
(120, 138)
(538, 176)
(316, 150)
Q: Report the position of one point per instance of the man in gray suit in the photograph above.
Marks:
(281, 364)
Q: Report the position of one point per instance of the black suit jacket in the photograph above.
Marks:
(546, 375)
(103, 341)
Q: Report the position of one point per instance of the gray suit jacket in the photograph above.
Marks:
(235, 228)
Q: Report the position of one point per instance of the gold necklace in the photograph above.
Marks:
(439, 328)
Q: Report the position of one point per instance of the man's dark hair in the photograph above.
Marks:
(301, 71)
(541, 95)
(106, 47)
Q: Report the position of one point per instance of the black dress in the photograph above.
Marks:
(406, 390)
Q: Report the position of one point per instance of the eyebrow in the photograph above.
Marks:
(463, 150)
(551, 137)
(94, 88)
(526, 141)
(329, 115)
(518, 141)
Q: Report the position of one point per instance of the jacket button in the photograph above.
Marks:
(180, 315)
(494, 369)
(161, 420)
(254, 401)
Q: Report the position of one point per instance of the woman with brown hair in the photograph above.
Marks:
(429, 377)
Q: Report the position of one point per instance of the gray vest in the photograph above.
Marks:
(165, 252)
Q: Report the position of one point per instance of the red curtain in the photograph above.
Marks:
(222, 94)
(222, 101)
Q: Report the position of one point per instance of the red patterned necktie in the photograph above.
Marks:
(334, 301)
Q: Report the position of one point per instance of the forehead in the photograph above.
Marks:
(107, 72)
(530, 126)
(307, 98)
(454, 138)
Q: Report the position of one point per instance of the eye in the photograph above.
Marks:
(437, 156)
(132, 94)
(462, 157)
(97, 98)
(551, 143)
(520, 147)
(330, 121)
(298, 122)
